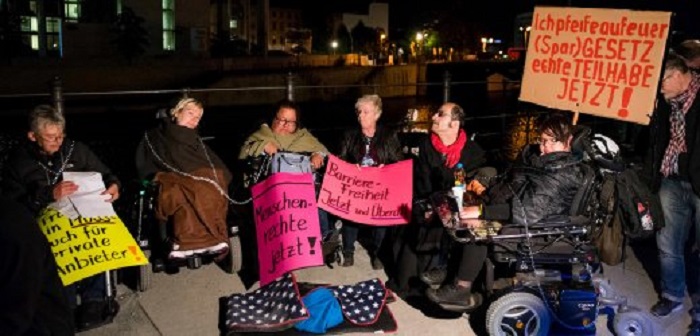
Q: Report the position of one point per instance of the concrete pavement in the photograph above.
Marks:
(187, 303)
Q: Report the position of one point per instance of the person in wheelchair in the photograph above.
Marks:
(420, 245)
(285, 133)
(543, 185)
(192, 182)
(33, 176)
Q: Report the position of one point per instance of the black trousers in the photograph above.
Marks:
(473, 258)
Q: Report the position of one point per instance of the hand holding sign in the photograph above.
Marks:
(371, 195)
(287, 227)
(86, 246)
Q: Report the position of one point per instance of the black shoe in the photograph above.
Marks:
(93, 314)
(665, 307)
(90, 315)
(377, 264)
(454, 298)
(348, 259)
(434, 277)
(694, 329)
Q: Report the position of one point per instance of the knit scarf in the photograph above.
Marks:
(676, 145)
(451, 152)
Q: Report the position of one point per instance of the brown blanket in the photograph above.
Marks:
(196, 209)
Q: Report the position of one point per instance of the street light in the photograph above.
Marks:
(419, 43)
(483, 44)
(334, 45)
(526, 34)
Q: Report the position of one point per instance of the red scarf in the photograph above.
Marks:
(451, 152)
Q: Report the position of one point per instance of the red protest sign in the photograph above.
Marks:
(368, 195)
(605, 62)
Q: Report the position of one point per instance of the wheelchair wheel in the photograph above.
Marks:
(633, 323)
(235, 256)
(518, 313)
(145, 274)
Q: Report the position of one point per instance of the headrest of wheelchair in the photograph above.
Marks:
(162, 113)
(581, 135)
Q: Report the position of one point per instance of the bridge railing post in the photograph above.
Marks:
(290, 86)
(446, 83)
(57, 94)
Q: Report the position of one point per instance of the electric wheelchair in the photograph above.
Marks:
(152, 237)
(552, 285)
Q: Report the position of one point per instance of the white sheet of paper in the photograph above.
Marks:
(65, 207)
(88, 201)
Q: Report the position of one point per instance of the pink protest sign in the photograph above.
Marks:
(287, 228)
(368, 195)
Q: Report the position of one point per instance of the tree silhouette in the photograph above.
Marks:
(130, 38)
(364, 39)
(344, 39)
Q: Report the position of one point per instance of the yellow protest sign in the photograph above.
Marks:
(84, 247)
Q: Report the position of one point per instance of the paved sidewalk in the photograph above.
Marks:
(187, 303)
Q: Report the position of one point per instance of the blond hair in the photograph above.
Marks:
(372, 99)
(181, 104)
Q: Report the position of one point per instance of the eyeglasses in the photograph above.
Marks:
(285, 122)
(442, 114)
(547, 142)
(55, 138)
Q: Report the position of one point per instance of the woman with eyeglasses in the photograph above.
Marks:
(284, 133)
(33, 176)
(34, 172)
(369, 145)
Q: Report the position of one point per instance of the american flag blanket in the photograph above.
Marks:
(363, 302)
(278, 305)
(275, 306)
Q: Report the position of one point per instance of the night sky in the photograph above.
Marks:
(497, 16)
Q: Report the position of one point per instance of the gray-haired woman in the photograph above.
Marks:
(369, 145)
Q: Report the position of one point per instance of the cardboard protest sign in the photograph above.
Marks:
(605, 62)
(287, 227)
(84, 246)
(369, 195)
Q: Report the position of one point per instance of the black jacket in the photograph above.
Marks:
(431, 175)
(536, 188)
(385, 143)
(660, 135)
(25, 180)
(32, 299)
(416, 244)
